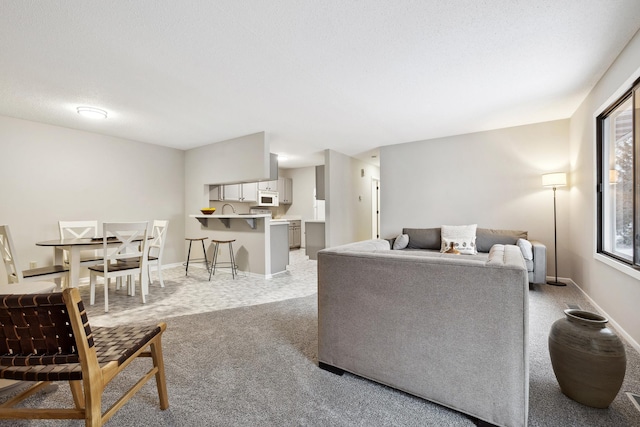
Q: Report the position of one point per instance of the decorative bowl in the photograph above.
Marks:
(207, 211)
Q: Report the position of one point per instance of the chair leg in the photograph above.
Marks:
(131, 285)
(233, 261)
(214, 260)
(161, 382)
(93, 406)
(204, 251)
(142, 280)
(78, 393)
(106, 296)
(92, 289)
(186, 270)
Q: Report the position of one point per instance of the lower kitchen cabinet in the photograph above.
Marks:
(295, 234)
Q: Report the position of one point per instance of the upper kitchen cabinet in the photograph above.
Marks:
(247, 192)
(285, 190)
(250, 192)
(268, 185)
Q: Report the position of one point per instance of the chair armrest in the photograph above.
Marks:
(539, 262)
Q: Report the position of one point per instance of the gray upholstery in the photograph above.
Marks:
(423, 238)
(429, 239)
(487, 237)
(447, 328)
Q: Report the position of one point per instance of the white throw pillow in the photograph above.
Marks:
(401, 242)
(526, 248)
(462, 236)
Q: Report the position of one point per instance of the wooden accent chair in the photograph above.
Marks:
(47, 337)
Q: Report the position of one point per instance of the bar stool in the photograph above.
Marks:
(214, 258)
(204, 251)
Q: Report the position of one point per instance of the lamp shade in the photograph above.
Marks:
(613, 176)
(555, 179)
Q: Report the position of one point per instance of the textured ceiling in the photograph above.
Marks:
(312, 74)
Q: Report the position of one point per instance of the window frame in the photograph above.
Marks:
(633, 94)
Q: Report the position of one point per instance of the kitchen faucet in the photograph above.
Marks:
(227, 204)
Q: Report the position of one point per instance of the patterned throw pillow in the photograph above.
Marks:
(463, 237)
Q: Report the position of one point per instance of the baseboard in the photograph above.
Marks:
(612, 321)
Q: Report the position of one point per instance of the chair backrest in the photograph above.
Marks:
(132, 242)
(44, 329)
(159, 233)
(78, 229)
(14, 273)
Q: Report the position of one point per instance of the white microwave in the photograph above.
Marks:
(267, 198)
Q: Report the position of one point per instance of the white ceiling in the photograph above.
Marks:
(313, 74)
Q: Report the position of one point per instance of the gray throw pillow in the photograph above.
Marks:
(487, 237)
(401, 241)
(423, 238)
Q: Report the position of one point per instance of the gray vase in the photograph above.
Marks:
(588, 358)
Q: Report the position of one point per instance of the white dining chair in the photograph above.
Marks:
(79, 230)
(15, 274)
(126, 257)
(156, 248)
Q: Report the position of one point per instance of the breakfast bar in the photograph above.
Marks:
(255, 246)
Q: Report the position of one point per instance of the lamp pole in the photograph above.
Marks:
(555, 243)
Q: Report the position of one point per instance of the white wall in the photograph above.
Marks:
(242, 159)
(348, 198)
(51, 173)
(616, 293)
(491, 178)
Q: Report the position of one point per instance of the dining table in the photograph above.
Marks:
(74, 248)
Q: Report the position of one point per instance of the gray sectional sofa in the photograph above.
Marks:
(452, 329)
(534, 252)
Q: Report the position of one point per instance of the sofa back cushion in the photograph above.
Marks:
(423, 238)
(487, 237)
(430, 238)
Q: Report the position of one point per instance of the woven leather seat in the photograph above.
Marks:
(47, 337)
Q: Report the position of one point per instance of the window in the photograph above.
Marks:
(618, 148)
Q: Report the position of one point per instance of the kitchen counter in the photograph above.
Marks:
(280, 222)
(225, 218)
(260, 245)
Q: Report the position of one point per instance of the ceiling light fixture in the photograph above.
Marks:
(92, 113)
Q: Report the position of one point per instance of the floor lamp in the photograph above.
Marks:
(554, 180)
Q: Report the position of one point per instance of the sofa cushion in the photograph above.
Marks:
(487, 237)
(463, 237)
(526, 248)
(401, 241)
(423, 238)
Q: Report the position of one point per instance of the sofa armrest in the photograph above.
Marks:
(539, 262)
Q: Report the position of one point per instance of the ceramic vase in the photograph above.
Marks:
(588, 358)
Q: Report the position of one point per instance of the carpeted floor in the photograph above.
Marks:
(256, 366)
